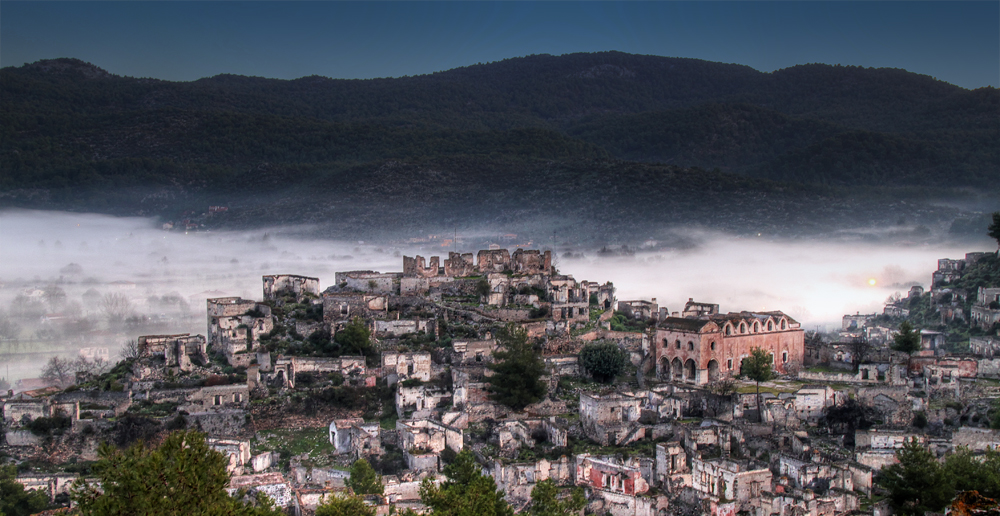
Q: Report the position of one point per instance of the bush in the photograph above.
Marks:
(50, 425)
(603, 360)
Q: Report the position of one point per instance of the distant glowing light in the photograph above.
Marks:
(871, 282)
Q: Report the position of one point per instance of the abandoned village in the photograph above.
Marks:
(395, 368)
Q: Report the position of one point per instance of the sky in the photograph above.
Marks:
(954, 41)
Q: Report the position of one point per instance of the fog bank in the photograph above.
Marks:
(56, 266)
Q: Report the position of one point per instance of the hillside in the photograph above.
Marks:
(70, 132)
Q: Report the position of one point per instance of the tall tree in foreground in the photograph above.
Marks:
(757, 367)
(183, 477)
(517, 369)
(907, 340)
(14, 499)
(545, 500)
(467, 492)
(346, 505)
(917, 483)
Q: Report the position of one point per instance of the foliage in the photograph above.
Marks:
(466, 492)
(355, 339)
(364, 480)
(50, 425)
(969, 472)
(545, 500)
(757, 367)
(603, 360)
(517, 369)
(14, 499)
(344, 505)
(483, 288)
(182, 476)
(917, 483)
(620, 321)
(907, 340)
(994, 229)
(849, 416)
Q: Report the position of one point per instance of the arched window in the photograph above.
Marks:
(784, 357)
(729, 330)
(784, 325)
(665, 343)
(712, 346)
(756, 327)
(743, 327)
(770, 325)
(690, 346)
(678, 345)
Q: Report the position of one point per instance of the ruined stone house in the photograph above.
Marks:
(370, 282)
(235, 326)
(611, 419)
(729, 479)
(278, 285)
(609, 474)
(404, 366)
(175, 350)
(355, 437)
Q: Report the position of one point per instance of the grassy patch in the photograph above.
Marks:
(312, 441)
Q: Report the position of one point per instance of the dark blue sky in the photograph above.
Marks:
(958, 42)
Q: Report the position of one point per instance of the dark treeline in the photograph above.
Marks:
(70, 129)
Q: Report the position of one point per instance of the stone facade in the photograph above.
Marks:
(407, 365)
(235, 326)
(278, 285)
(704, 350)
(176, 350)
(611, 419)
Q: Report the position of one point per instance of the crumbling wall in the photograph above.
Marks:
(458, 265)
(277, 285)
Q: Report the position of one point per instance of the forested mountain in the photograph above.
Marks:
(68, 125)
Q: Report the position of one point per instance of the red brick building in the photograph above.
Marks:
(702, 350)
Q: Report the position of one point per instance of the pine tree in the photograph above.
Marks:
(917, 483)
(183, 476)
(467, 492)
(907, 340)
(517, 369)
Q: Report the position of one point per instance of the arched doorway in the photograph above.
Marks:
(665, 368)
(713, 370)
(689, 370)
(677, 369)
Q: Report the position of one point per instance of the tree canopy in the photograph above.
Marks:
(603, 360)
(467, 492)
(757, 367)
(919, 483)
(517, 369)
(907, 340)
(344, 505)
(364, 480)
(14, 499)
(355, 338)
(183, 477)
(545, 500)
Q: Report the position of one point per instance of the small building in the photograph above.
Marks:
(299, 287)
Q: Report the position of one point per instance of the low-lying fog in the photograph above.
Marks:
(57, 270)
